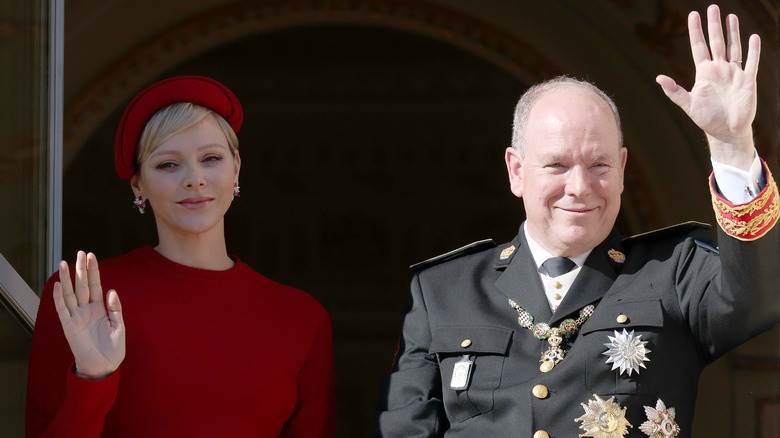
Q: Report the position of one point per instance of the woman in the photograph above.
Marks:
(214, 349)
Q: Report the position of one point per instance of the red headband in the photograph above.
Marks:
(199, 90)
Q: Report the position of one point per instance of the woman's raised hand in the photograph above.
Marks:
(95, 332)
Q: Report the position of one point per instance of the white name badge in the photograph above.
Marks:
(461, 373)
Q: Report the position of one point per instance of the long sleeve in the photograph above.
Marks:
(314, 415)
(412, 406)
(731, 294)
(60, 404)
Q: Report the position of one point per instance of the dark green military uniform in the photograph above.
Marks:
(690, 303)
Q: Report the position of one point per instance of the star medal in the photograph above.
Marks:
(660, 422)
(553, 335)
(603, 419)
(626, 352)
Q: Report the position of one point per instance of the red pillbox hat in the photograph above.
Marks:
(199, 90)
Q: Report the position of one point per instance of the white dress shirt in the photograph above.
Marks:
(736, 185)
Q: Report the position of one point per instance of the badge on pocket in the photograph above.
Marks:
(461, 373)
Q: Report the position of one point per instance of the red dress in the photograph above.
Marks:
(209, 354)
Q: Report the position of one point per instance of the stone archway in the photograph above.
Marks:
(230, 23)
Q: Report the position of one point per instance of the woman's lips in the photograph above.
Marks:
(199, 202)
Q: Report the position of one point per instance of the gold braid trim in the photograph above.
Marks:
(743, 209)
(752, 220)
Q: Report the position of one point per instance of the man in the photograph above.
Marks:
(568, 329)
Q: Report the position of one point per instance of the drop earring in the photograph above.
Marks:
(236, 190)
(139, 203)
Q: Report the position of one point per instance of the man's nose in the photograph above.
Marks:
(578, 182)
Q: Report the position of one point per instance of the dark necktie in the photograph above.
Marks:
(557, 266)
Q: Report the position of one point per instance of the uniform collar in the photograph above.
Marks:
(520, 278)
(540, 255)
(595, 278)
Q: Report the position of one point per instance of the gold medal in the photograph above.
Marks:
(603, 419)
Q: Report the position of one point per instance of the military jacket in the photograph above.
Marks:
(689, 301)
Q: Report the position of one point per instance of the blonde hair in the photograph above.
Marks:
(175, 118)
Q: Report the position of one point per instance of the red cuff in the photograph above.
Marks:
(87, 402)
(751, 220)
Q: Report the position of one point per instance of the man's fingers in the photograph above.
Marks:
(82, 285)
(715, 31)
(754, 53)
(699, 49)
(735, 45)
(93, 274)
(59, 304)
(67, 288)
(674, 92)
(115, 310)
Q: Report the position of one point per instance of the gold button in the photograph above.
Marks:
(540, 391)
(465, 343)
(622, 318)
(547, 366)
(556, 296)
(541, 434)
(557, 285)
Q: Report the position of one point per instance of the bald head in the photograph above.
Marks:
(560, 94)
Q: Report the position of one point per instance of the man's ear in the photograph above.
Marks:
(623, 161)
(514, 168)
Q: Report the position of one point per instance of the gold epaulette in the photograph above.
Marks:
(751, 220)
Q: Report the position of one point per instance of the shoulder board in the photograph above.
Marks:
(699, 231)
(455, 253)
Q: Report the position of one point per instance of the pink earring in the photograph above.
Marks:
(140, 203)
(236, 190)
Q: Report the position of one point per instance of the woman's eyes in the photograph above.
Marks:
(167, 165)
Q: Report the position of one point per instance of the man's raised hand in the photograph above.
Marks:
(722, 101)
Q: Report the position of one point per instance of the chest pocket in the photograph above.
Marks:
(487, 347)
(642, 316)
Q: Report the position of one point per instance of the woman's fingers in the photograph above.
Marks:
(115, 310)
(93, 274)
(67, 288)
(59, 304)
(82, 282)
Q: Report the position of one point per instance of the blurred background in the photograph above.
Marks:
(373, 139)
